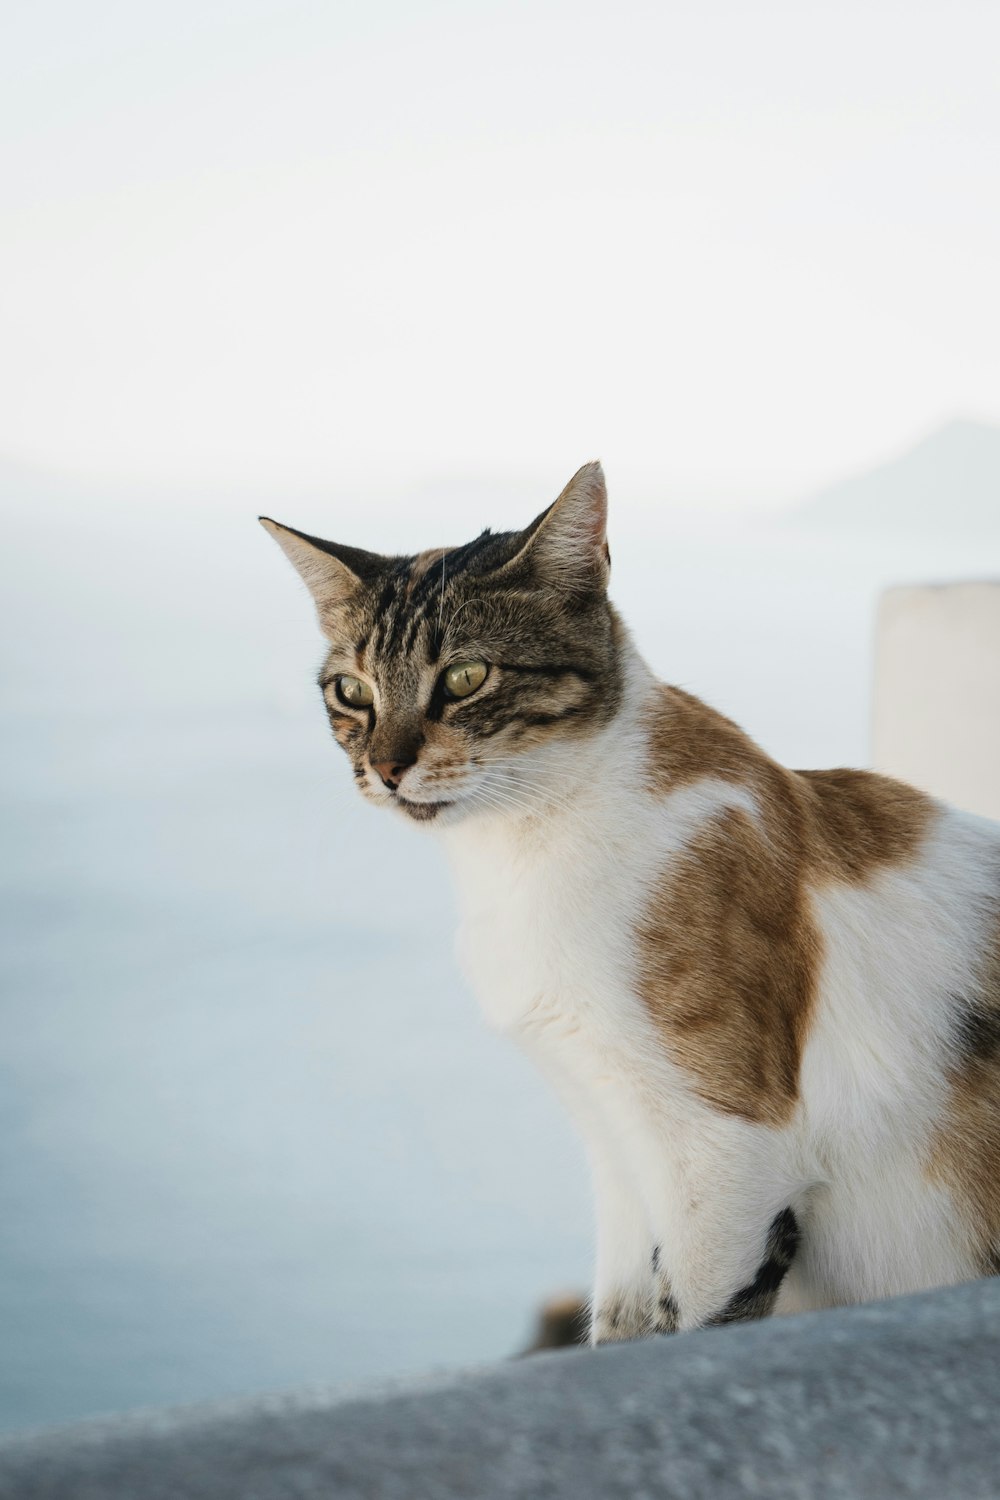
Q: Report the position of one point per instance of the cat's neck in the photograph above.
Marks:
(580, 780)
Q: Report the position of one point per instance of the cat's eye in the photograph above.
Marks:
(464, 677)
(354, 692)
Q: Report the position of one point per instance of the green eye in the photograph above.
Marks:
(354, 692)
(464, 677)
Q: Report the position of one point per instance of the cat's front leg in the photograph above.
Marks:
(623, 1282)
(621, 1305)
(728, 1239)
(712, 1280)
(757, 1296)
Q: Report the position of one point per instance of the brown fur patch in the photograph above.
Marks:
(689, 740)
(731, 953)
(730, 956)
(966, 1153)
(859, 821)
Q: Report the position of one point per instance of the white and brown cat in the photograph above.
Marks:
(769, 998)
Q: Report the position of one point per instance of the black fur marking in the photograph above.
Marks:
(397, 619)
(489, 551)
(570, 669)
(621, 1317)
(439, 700)
(343, 715)
(428, 589)
(977, 1031)
(383, 604)
(667, 1315)
(542, 720)
(757, 1299)
(410, 629)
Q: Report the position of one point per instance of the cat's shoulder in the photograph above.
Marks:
(843, 823)
(859, 820)
(687, 740)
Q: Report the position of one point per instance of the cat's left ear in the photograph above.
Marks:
(568, 543)
(332, 573)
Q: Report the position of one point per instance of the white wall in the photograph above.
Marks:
(937, 691)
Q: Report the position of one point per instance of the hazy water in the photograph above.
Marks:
(252, 1132)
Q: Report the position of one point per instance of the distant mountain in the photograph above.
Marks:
(949, 484)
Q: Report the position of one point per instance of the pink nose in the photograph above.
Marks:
(391, 771)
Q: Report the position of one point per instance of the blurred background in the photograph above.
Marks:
(390, 273)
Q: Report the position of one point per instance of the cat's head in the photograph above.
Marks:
(463, 679)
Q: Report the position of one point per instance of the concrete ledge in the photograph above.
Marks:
(899, 1398)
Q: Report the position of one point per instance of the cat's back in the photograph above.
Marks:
(900, 1068)
(832, 827)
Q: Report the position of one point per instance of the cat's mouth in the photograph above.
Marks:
(422, 812)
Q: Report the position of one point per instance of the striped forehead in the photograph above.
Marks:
(409, 604)
(404, 607)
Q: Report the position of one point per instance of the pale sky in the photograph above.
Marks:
(739, 248)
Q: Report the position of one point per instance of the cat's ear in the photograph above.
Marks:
(331, 573)
(568, 543)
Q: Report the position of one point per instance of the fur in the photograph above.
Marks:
(770, 999)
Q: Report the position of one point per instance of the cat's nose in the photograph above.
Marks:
(391, 771)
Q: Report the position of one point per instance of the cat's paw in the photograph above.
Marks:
(666, 1314)
(619, 1318)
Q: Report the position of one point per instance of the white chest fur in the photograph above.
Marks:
(549, 906)
(537, 932)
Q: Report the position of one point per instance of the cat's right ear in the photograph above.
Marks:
(330, 572)
(568, 543)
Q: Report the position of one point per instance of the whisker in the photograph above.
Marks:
(541, 799)
(441, 595)
(454, 616)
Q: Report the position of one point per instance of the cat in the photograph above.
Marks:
(769, 998)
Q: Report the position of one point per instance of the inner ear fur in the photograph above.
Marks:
(331, 572)
(568, 544)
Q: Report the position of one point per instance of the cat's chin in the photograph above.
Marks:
(421, 812)
(438, 813)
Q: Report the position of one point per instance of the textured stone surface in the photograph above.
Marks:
(896, 1399)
